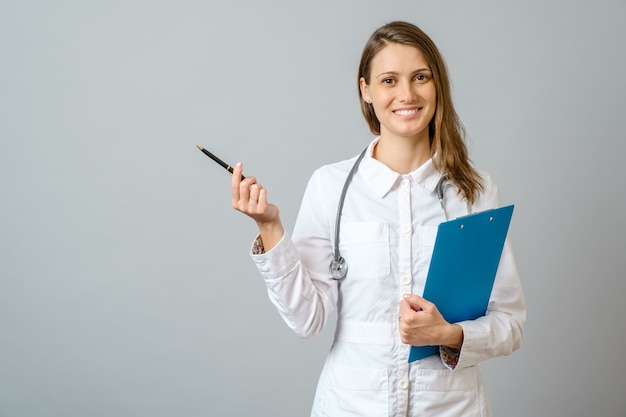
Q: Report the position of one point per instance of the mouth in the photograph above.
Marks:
(407, 112)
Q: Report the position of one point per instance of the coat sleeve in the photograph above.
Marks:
(296, 270)
(499, 332)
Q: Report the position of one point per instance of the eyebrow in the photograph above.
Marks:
(396, 73)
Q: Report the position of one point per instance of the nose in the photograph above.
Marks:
(407, 92)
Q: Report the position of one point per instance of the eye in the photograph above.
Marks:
(422, 78)
(388, 81)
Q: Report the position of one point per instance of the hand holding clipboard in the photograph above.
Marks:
(463, 267)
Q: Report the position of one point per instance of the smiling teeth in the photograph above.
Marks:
(406, 112)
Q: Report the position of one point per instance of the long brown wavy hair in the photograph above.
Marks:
(446, 132)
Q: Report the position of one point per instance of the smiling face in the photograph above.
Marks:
(401, 91)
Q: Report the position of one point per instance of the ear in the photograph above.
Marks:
(364, 90)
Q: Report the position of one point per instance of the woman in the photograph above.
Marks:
(387, 232)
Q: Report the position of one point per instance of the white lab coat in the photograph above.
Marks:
(388, 228)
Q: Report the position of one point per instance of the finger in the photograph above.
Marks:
(244, 189)
(263, 206)
(405, 309)
(235, 183)
(255, 192)
(416, 302)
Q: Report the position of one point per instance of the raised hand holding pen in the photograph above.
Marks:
(250, 198)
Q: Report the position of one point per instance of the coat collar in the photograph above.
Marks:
(382, 179)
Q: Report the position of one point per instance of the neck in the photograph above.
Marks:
(401, 154)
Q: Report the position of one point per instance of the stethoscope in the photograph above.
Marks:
(339, 266)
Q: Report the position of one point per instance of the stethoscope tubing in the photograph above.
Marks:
(342, 198)
(338, 267)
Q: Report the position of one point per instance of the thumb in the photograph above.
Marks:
(416, 302)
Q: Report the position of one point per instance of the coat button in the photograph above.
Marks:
(405, 279)
(404, 183)
(406, 228)
(404, 384)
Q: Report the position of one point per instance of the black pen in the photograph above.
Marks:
(219, 161)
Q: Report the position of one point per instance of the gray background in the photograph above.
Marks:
(126, 288)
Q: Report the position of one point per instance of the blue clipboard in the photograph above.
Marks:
(463, 267)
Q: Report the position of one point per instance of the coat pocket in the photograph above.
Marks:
(365, 246)
(443, 392)
(358, 391)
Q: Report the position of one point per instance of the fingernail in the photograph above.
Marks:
(405, 296)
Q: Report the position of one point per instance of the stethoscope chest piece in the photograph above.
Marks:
(338, 268)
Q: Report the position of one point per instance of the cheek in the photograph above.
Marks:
(382, 100)
(430, 95)
(431, 99)
(381, 106)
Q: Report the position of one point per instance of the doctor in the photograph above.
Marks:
(387, 230)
